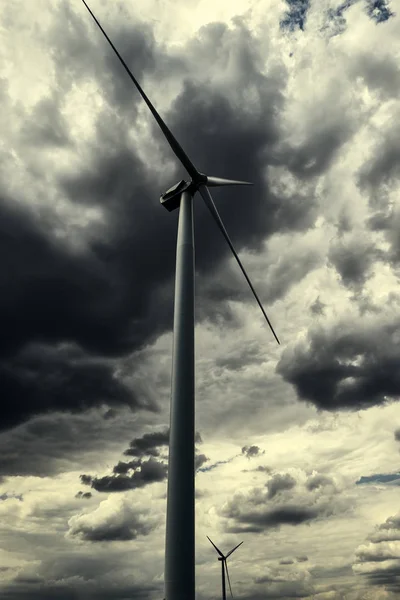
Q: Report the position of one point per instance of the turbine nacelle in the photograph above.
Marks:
(171, 198)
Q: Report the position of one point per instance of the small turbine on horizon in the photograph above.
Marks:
(179, 574)
(224, 567)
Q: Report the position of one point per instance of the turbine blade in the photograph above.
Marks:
(217, 549)
(233, 549)
(176, 147)
(217, 181)
(204, 191)
(227, 574)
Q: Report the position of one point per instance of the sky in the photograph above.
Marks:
(297, 445)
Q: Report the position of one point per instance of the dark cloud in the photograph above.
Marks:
(330, 572)
(317, 152)
(343, 367)
(50, 444)
(42, 379)
(379, 10)
(111, 413)
(382, 169)
(7, 496)
(123, 467)
(86, 479)
(387, 221)
(397, 435)
(140, 472)
(301, 558)
(260, 468)
(147, 472)
(215, 465)
(353, 258)
(393, 478)
(78, 574)
(50, 291)
(252, 451)
(279, 482)
(296, 16)
(84, 495)
(317, 307)
(257, 522)
(381, 74)
(45, 125)
(287, 515)
(148, 444)
(200, 459)
(111, 293)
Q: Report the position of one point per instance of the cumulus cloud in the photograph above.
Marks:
(280, 482)
(286, 501)
(379, 559)
(115, 519)
(277, 582)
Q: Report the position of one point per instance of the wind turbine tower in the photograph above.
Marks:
(179, 573)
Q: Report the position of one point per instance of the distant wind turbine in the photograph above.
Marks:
(224, 566)
(180, 527)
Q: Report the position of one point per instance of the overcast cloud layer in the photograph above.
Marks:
(297, 445)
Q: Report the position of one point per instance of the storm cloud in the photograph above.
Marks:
(343, 367)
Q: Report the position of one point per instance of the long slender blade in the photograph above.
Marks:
(217, 549)
(204, 191)
(233, 549)
(227, 574)
(218, 181)
(176, 147)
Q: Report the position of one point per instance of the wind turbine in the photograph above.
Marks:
(179, 570)
(224, 566)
